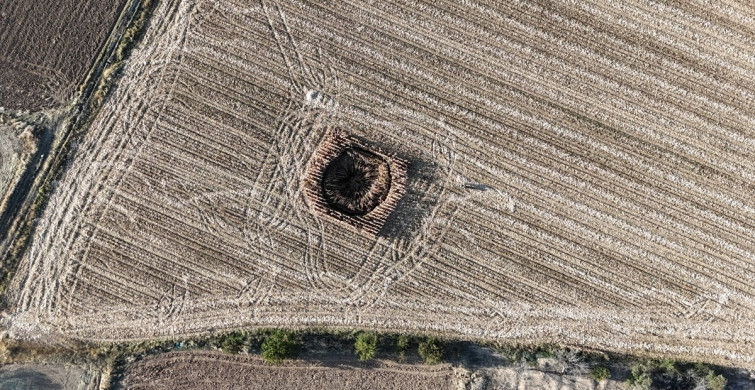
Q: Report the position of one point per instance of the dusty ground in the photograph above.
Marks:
(580, 172)
(47, 47)
(44, 377)
(17, 143)
(216, 370)
(10, 151)
(512, 378)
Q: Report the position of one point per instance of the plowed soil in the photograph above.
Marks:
(47, 47)
(215, 370)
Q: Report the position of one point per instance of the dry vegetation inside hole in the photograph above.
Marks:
(356, 181)
(353, 183)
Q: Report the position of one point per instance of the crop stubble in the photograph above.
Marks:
(580, 173)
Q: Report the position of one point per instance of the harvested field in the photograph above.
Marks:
(215, 370)
(578, 172)
(47, 47)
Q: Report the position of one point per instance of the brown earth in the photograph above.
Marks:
(580, 172)
(203, 370)
(47, 47)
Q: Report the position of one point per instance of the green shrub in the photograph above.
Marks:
(668, 366)
(278, 346)
(366, 346)
(525, 354)
(431, 350)
(639, 378)
(546, 351)
(233, 342)
(706, 378)
(700, 370)
(715, 382)
(600, 373)
(402, 346)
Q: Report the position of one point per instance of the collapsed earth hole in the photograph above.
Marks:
(356, 181)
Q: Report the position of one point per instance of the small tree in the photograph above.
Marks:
(278, 346)
(366, 346)
(705, 378)
(668, 366)
(402, 345)
(715, 382)
(639, 378)
(431, 350)
(600, 374)
(233, 342)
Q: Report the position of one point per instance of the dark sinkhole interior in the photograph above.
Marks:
(356, 181)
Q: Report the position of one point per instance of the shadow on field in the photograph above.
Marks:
(472, 356)
(24, 379)
(339, 351)
(416, 204)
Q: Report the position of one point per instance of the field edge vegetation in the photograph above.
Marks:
(277, 346)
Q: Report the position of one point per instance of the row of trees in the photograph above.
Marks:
(430, 349)
(280, 345)
(669, 374)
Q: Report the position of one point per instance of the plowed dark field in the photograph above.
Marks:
(202, 370)
(46, 47)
